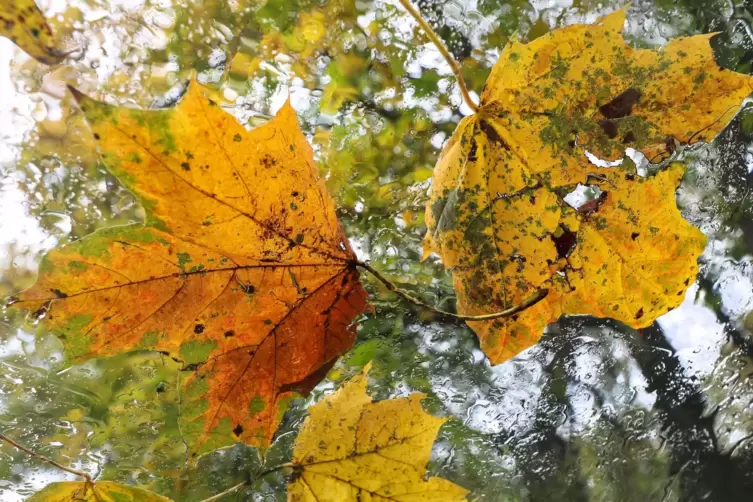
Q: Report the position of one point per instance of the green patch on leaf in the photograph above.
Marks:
(183, 260)
(256, 405)
(77, 266)
(196, 352)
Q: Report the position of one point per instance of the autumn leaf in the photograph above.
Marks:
(103, 491)
(242, 270)
(23, 23)
(351, 448)
(550, 112)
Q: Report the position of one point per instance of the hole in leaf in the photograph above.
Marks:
(565, 242)
(586, 199)
(640, 161)
(598, 162)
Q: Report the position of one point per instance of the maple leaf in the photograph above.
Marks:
(242, 270)
(103, 491)
(351, 448)
(497, 213)
(25, 25)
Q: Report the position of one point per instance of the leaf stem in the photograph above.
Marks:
(443, 50)
(539, 295)
(230, 490)
(240, 485)
(42, 458)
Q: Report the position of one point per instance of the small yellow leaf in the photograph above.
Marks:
(103, 491)
(553, 114)
(351, 448)
(25, 25)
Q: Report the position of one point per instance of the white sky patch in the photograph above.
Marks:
(582, 194)
(695, 333)
(18, 230)
(640, 161)
(735, 289)
(593, 159)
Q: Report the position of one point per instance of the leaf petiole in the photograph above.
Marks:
(536, 297)
(44, 459)
(237, 487)
(443, 50)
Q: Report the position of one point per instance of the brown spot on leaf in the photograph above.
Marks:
(609, 127)
(622, 105)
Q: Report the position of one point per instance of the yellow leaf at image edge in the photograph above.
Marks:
(23, 23)
(103, 491)
(351, 448)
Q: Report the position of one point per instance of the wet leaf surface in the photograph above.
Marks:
(499, 215)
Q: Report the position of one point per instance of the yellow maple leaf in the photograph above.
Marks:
(351, 448)
(102, 491)
(550, 110)
(242, 271)
(23, 23)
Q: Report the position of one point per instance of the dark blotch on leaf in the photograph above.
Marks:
(622, 105)
(238, 430)
(609, 127)
(639, 314)
(59, 293)
(634, 235)
(198, 329)
(491, 133)
(229, 334)
(565, 243)
(472, 153)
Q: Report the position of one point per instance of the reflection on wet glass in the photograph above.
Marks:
(596, 411)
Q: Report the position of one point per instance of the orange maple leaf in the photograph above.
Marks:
(242, 270)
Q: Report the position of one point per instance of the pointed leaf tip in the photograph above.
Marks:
(78, 95)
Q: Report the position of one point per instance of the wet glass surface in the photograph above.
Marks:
(596, 411)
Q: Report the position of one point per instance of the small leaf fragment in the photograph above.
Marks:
(23, 23)
(351, 448)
